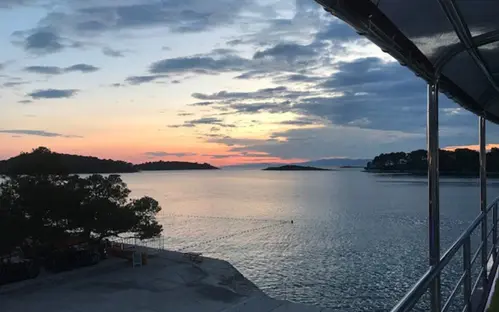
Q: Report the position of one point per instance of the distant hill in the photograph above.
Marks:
(327, 163)
(173, 165)
(336, 162)
(295, 168)
(43, 161)
(254, 166)
(460, 162)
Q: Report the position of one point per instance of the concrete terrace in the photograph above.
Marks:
(169, 282)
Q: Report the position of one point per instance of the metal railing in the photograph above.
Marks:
(475, 294)
(153, 245)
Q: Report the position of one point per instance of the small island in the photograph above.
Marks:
(174, 165)
(295, 168)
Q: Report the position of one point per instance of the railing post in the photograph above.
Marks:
(483, 202)
(467, 274)
(433, 192)
(494, 232)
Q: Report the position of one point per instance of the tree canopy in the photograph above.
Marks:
(44, 161)
(459, 161)
(45, 209)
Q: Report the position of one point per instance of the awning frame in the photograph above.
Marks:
(367, 19)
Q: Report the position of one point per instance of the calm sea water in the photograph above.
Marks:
(358, 241)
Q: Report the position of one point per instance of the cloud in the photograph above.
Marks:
(203, 121)
(10, 84)
(38, 133)
(289, 52)
(303, 121)
(199, 64)
(84, 68)
(220, 156)
(255, 74)
(54, 70)
(253, 108)
(204, 103)
(297, 78)
(266, 93)
(137, 80)
(184, 125)
(46, 70)
(316, 143)
(366, 93)
(53, 93)
(113, 53)
(93, 18)
(165, 154)
(9, 4)
(282, 56)
(41, 41)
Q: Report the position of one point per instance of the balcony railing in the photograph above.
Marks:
(474, 293)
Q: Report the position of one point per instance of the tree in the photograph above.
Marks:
(48, 208)
(43, 161)
(456, 162)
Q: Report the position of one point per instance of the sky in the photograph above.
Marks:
(222, 81)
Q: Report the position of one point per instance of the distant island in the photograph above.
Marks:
(459, 162)
(295, 168)
(173, 165)
(44, 161)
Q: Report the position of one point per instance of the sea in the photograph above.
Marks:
(346, 239)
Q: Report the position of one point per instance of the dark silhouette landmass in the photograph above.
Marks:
(43, 161)
(335, 162)
(460, 162)
(295, 168)
(173, 165)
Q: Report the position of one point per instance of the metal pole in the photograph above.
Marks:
(467, 272)
(494, 226)
(483, 200)
(433, 192)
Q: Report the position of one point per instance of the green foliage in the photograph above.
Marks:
(43, 161)
(459, 161)
(44, 209)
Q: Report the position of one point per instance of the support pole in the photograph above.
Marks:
(483, 201)
(433, 192)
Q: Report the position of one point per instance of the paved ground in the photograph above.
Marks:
(168, 283)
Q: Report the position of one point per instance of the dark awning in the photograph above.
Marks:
(454, 40)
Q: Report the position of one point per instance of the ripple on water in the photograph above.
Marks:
(357, 243)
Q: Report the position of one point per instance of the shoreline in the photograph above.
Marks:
(425, 173)
(169, 278)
